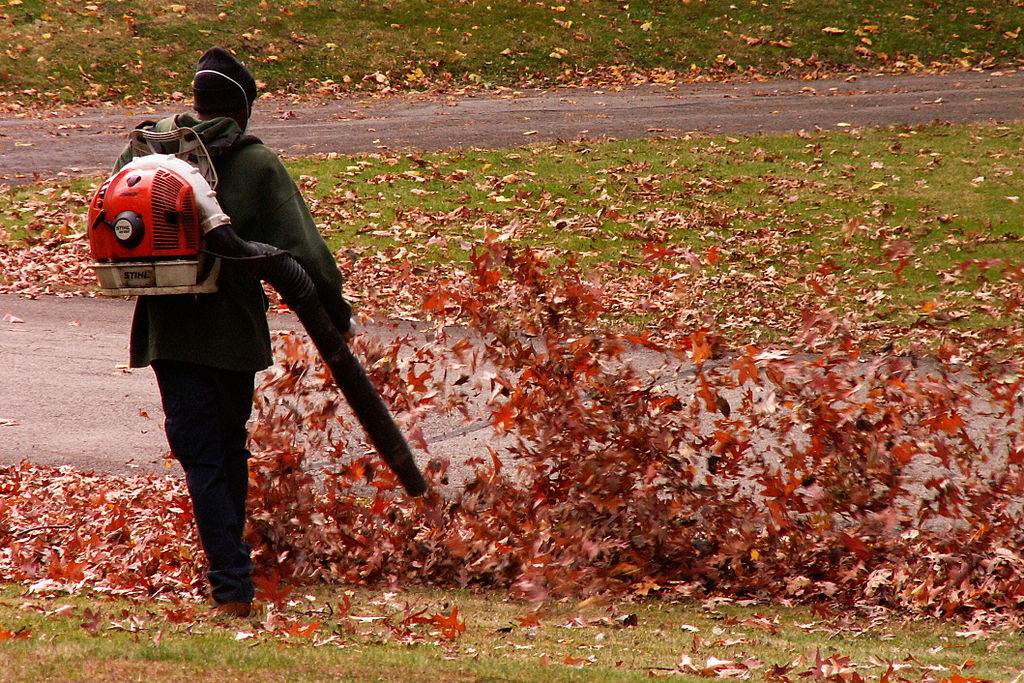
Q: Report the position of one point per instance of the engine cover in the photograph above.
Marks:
(145, 237)
(144, 214)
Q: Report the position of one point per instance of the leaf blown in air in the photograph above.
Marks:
(617, 464)
(623, 465)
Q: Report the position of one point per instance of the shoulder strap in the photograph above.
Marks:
(183, 143)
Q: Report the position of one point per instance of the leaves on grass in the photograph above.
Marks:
(818, 471)
(744, 254)
(837, 478)
(50, 57)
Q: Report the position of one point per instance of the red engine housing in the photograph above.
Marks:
(144, 214)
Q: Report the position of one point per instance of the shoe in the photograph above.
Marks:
(232, 609)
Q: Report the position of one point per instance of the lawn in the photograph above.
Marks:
(910, 234)
(430, 635)
(885, 225)
(909, 237)
(316, 47)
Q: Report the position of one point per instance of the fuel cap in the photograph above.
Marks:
(129, 228)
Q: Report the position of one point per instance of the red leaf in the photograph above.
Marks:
(20, 634)
(856, 546)
(504, 417)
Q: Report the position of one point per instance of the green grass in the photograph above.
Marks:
(890, 227)
(109, 49)
(30, 213)
(882, 217)
(98, 639)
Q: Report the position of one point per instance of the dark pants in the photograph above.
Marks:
(205, 411)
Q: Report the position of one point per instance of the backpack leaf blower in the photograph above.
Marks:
(156, 227)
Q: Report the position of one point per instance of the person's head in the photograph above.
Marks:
(223, 86)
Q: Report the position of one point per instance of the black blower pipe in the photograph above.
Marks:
(279, 269)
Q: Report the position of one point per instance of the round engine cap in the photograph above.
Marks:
(128, 228)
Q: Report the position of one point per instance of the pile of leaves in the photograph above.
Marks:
(833, 476)
(62, 529)
(53, 256)
(619, 465)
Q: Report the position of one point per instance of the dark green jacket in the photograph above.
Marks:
(228, 329)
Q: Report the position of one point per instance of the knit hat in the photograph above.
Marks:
(222, 84)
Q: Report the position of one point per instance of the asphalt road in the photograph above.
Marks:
(65, 395)
(86, 140)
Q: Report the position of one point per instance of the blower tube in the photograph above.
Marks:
(279, 269)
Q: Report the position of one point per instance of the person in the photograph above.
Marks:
(205, 349)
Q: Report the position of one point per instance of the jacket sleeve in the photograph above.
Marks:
(290, 226)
